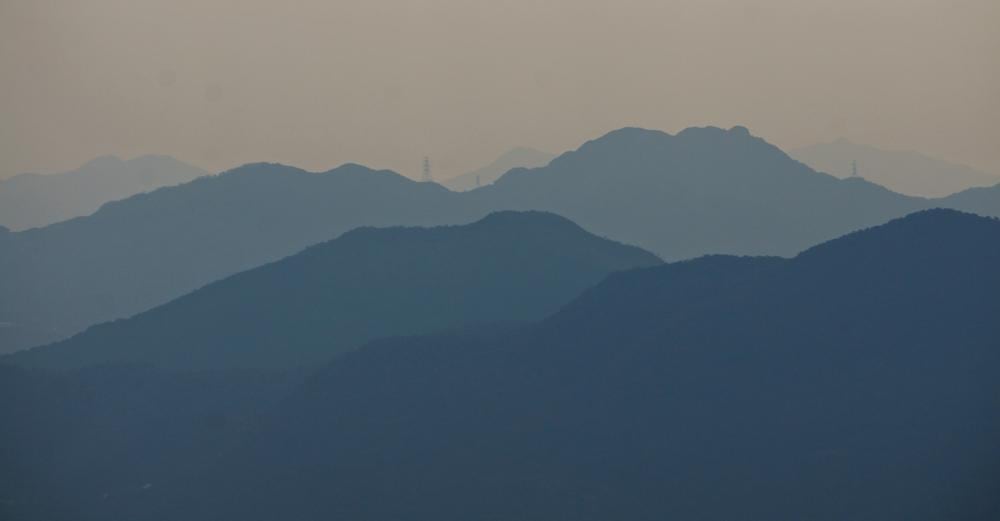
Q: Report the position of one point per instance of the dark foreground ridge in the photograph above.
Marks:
(854, 381)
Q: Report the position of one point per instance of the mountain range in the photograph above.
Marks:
(701, 191)
(327, 300)
(905, 172)
(146, 250)
(35, 200)
(856, 380)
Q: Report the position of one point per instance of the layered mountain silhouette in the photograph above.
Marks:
(148, 249)
(369, 283)
(520, 157)
(34, 200)
(701, 191)
(854, 381)
(905, 172)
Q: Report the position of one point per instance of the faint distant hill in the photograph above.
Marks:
(33, 200)
(368, 283)
(854, 381)
(143, 251)
(703, 190)
(520, 157)
(905, 172)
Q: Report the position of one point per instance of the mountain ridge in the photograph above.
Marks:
(139, 252)
(702, 191)
(369, 282)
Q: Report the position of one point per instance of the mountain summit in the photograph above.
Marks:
(703, 190)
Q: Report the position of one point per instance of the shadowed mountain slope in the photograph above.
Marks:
(855, 381)
(148, 249)
(368, 283)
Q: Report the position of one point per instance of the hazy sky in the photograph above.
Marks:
(316, 83)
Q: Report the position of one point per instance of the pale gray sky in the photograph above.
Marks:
(316, 83)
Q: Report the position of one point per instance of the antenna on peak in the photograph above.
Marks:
(854, 168)
(426, 175)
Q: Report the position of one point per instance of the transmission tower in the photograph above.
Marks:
(426, 176)
(854, 169)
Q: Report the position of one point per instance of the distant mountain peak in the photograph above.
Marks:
(261, 168)
(706, 130)
(631, 144)
(270, 169)
(104, 161)
(625, 135)
(36, 200)
(115, 162)
(903, 171)
(515, 158)
(640, 136)
(717, 136)
(633, 132)
(351, 168)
